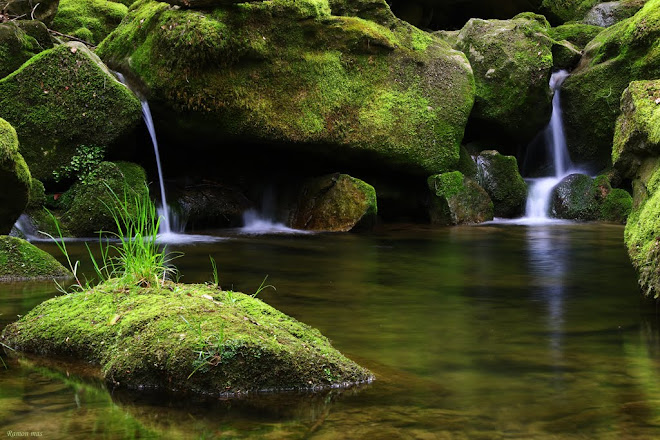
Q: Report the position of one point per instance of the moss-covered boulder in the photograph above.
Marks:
(20, 260)
(14, 178)
(86, 204)
(337, 202)
(608, 13)
(20, 41)
(579, 197)
(291, 73)
(89, 20)
(189, 338)
(457, 200)
(590, 96)
(63, 98)
(579, 34)
(43, 10)
(512, 62)
(568, 10)
(499, 176)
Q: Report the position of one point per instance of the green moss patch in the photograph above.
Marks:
(20, 41)
(184, 338)
(499, 176)
(456, 199)
(15, 178)
(577, 33)
(89, 20)
(20, 260)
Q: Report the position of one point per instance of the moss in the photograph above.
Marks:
(456, 199)
(575, 198)
(15, 178)
(466, 164)
(20, 260)
(37, 195)
(90, 20)
(152, 338)
(60, 99)
(18, 44)
(616, 206)
(347, 83)
(577, 33)
(499, 176)
(568, 10)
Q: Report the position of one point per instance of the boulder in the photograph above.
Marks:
(621, 53)
(291, 75)
(500, 177)
(14, 178)
(89, 20)
(608, 13)
(337, 202)
(579, 197)
(512, 62)
(456, 200)
(565, 55)
(20, 41)
(20, 260)
(184, 338)
(64, 98)
(567, 10)
(210, 205)
(579, 34)
(43, 10)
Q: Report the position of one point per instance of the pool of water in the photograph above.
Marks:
(489, 332)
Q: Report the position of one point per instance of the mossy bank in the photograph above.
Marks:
(186, 338)
(20, 260)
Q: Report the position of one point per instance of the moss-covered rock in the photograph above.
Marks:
(579, 34)
(590, 96)
(61, 99)
(293, 74)
(456, 200)
(89, 20)
(608, 13)
(44, 10)
(20, 41)
(85, 204)
(616, 206)
(565, 55)
(568, 10)
(192, 338)
(512, 62)
(20, 260)
(337, 202)
(500, 177)
(15, 178)
(579, 197)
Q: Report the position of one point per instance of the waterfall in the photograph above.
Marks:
(263, 221)
(540, 189)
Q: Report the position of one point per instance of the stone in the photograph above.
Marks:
(608, 13)
(20, 41)
(15, 178)
(89, 20)
(43, 10)
(499, 176)
(457, 200)
(20, 260)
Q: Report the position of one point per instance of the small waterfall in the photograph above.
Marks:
(540, 189)
(26, 229)
(263, 221)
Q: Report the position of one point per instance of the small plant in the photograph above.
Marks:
(216, 279)
(83, 164)
(61, 245)
(263, 286)
(210, 354)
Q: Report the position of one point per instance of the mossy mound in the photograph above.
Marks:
(579, 34)
(20, 41)
(86, 204)
(499, 176)
(63, 98)
(568, 10)
(189, 338)
(590, 96)
(15, 178)
(20, 260)
(456, 200)
(89, 20)
(579, 197)
(293, 74)
(336, 202)
(512, 62)
(26, 9)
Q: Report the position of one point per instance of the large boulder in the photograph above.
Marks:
(20, 41)
(291, 75)
(590, 96)
(89, 20)
(579, 34)
(20, 260)
(43, 10)
(512, 62)
(499, 176)
(61, 99)
(210, 205)
(457, 200)
(579, 197)
(14, 178)
(337, 202)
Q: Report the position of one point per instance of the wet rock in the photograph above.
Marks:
(14, 178)
(500, 177)
(608, 13)
(579, 197)
(209, 205)
(456, 200)
(44, 10)
(578, 34)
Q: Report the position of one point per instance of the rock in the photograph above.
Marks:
(14, 178)
(61, 99)
(20, 41)
(579, 197)
(43, 10)
(338, 203)
(89, 20)
(467, 164)
(85, 204)
(565, 55)
(210, 205)
(608, 13)
(618, 55)
(20, 260)
(567, 10)
(456, 200)
(616, 206)
(512, 63)
(151, 338)
(500, 177)
(300, 78)
(578, 34)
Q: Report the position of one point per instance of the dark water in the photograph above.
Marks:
(490, 332)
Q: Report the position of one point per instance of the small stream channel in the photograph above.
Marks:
(485, 332)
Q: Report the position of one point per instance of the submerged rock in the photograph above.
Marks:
(43, 10)
(14, 178)
(20, 41)
(500, 177)
(456, 200)
(186, 338)
(579, 197)
(337, 88)
(89, 20)
(337, 202)
(61, 99)
(20, 260)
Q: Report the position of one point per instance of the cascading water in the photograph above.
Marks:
(263, 221)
